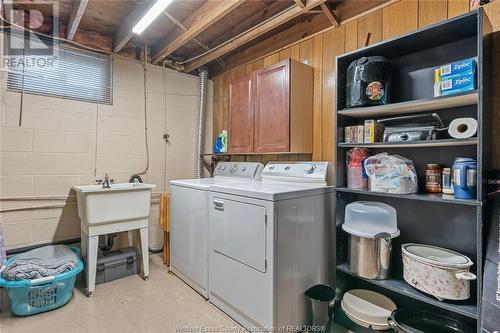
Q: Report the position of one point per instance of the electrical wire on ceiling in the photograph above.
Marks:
(205, 47)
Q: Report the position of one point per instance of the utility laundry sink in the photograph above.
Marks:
(120, 202)
(112, 208)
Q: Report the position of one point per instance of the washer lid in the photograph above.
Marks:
(437, 256)
(271, 191)
(200, 184)
(368, 306)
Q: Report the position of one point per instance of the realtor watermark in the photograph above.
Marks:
(239, 329)
(23, 47)
(21, 62)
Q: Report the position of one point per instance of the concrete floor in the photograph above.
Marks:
(162, 304)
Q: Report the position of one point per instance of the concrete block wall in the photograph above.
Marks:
(55, 147)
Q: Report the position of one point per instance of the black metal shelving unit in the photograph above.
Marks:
(434, 219)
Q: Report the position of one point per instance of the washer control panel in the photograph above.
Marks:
(296, 171)
(244, 170)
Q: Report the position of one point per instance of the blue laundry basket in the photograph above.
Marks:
(28, 297)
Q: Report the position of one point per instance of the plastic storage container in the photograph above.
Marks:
(28, 297)
(117, 264)
(368, 308)
(368, 218)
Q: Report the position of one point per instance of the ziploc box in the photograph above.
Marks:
(458, 68)
(458, 84)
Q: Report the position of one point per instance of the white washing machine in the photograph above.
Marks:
(269, 244)
(189, 220)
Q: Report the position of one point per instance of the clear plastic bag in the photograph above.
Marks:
(391, 174)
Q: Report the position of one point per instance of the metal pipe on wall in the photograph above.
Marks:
(200, 141)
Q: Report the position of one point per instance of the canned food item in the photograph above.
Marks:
(447, 183)
(433, 178)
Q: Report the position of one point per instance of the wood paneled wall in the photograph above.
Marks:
(320, 50)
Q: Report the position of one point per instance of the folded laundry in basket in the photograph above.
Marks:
(41, 262)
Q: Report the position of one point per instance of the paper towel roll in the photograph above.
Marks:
(462, 128)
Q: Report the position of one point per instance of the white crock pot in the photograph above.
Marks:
(439, 272)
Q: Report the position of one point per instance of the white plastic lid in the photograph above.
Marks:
(368, 307)
(436, 255)
(369, 218)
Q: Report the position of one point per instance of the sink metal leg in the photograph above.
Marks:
(131, 237)
(145, 253)
(83, 244)
(92, 247)
(83, 253)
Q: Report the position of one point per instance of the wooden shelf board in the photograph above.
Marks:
(420, 105)
(414, 144)
(465, 308)
(433, 197)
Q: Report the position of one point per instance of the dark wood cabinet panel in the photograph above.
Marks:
(272, 108)
(270, 111)
(241, 116)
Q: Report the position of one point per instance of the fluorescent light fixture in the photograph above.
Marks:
(151, 15)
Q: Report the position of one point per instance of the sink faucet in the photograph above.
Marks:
(105, 183)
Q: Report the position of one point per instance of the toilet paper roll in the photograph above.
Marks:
(462, 128)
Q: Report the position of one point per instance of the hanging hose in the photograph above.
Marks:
(200, 141)
(145, 67)
(137, 179)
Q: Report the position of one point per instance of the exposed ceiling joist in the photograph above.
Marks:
(301, 3)
(275, 42)
(251, 34)
(318, 24)
(75, 17)
(330, 15)
(272, 9)
(125, 33)
(7, 7)
(202, 19)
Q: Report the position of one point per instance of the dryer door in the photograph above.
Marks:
(238, 231)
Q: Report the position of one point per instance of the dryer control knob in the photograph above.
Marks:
(310, 169)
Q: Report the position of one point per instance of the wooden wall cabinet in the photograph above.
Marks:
(241, 119)
(271, 111)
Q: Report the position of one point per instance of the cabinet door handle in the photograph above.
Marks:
(219, 204)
